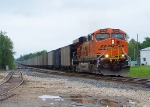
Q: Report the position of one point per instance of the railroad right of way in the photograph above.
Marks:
(121, 79)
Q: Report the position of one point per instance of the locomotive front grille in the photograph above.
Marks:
(115, 57)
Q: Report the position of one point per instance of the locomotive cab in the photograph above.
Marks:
(114, 59)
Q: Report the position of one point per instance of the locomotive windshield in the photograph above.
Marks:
(118, 35)
(102, 36)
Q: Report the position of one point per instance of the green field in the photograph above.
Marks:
(139, 71)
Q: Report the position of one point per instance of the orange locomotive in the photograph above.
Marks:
(103, 51)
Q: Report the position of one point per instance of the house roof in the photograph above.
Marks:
(145, 49)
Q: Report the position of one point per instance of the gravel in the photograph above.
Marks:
(41, 83)
(96, 83)
(102, 87)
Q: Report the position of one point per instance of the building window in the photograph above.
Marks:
(144, 59)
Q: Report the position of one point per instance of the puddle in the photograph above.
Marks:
(85, 101)
(56, 98)
(106, 102)
(132, 102)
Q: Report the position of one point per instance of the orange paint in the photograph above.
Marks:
(111, 46)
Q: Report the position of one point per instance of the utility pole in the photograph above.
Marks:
(137, 50)
(134, 54)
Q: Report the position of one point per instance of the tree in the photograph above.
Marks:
(31, 55)
(127, 37)
(145, 43)
(6, 51)
(132, 47)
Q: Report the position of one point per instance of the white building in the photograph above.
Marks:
(145, 56)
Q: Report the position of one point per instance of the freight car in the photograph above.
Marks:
(103, 51)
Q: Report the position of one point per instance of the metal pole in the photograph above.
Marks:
(134, 54)
(137, 50)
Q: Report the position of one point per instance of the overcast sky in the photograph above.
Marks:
(35, 25)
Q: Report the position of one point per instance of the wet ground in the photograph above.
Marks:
(84, 101)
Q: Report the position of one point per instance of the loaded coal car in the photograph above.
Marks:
(41, 61)
(45, 60)
(66, 56)
(28, 62)
(38, 62)
(57, 59)
(50, 59)
(32, 62)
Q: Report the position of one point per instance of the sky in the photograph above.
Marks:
(35, 25)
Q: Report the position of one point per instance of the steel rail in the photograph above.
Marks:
(8, 80)
(119, 79)
(8, 76)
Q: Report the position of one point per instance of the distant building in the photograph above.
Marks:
(145, 56)
(133, 63)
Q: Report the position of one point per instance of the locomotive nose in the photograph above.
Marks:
(117, 42)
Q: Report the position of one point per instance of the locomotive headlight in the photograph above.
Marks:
(106, 56)
(122, 55)
(112, 41)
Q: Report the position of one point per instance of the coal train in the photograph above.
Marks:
(104, 51)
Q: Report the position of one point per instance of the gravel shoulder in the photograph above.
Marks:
(3, 74)
(38, 84)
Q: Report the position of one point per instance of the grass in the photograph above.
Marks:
(139, 71)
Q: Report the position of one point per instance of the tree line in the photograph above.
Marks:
(134, 52)
(6, 51)
(31, 55)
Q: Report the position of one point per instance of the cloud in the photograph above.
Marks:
(47, 24)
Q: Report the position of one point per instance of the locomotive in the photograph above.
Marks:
(104, 51)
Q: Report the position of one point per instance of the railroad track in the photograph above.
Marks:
(120, 79)
(13, 80)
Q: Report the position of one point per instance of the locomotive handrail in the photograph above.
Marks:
(101, 54)
(74, 54)
(126, 55)
(98, 59)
